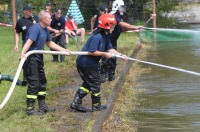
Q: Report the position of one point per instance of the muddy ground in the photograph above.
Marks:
(66, 120)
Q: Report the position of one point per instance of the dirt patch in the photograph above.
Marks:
(66, 120)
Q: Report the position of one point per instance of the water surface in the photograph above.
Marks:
(171, 101)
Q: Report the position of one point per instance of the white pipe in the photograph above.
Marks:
(160, 65)
(22, 62)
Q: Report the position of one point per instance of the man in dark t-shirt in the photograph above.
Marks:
(22, 26)
(57, 27)
(36, 38)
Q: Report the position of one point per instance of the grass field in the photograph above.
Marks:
(13, 116)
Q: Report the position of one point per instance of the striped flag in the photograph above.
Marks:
(75, 12)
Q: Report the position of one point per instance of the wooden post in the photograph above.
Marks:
(154, 12)
(14, 17)
(154, 20)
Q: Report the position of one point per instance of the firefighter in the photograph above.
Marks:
(108, 66)
(97, 45)
(36, 38)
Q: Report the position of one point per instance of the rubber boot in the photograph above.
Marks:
(111, 73)
(43, 106)
(55, 58)
(62, 58)
(103, 73)
(103, 76)
(96, 104)
(31, 109)
(77, 102)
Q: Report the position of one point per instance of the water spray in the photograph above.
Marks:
(175, 30)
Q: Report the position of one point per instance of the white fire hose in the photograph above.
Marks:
(76, 53)
(22, 62)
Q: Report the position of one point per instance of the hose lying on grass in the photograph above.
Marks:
(11, 78)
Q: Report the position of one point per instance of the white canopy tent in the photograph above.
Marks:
(75, 12)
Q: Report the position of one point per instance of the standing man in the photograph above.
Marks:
(97, 45)
(94, 20)
(36, 38)
(48, 7)
(108, 66)
(22, 26)
(57, 26)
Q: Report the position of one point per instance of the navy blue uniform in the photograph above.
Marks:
(87, 67)
(35, 71)
(58, 25)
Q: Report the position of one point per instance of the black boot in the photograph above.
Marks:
(103, 73)
(43, 106)
(103, 76)
(77, 102)
(98, 107)
(62, 58)
(31, 108)
(96, 104)
(111, 74)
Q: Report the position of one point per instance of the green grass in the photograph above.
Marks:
(13, 116)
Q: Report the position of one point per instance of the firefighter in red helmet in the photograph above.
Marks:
(97, 45)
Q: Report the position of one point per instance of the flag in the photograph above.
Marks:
(75, 12)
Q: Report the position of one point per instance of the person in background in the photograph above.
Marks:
(22, 26)
(48, 7)
(72, 28)
(97, 45)
(94, 20)
(108, 66)
(57, 27)
(36, 38)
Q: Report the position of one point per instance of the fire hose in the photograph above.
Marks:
(10, 78)
(78, 53)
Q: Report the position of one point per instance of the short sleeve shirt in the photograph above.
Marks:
(57, 24)
(69, 25)
(39, 36)
(23, 24)
(98, 42)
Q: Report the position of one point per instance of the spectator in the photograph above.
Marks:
(35, 71)
(22, 26)
(72, 28)
(94, 20)
(48, 7)
(97, 45)
(108, 66)
(58, 27)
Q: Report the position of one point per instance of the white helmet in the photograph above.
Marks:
(118, 5)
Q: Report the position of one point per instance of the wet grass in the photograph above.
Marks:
(13, 116)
